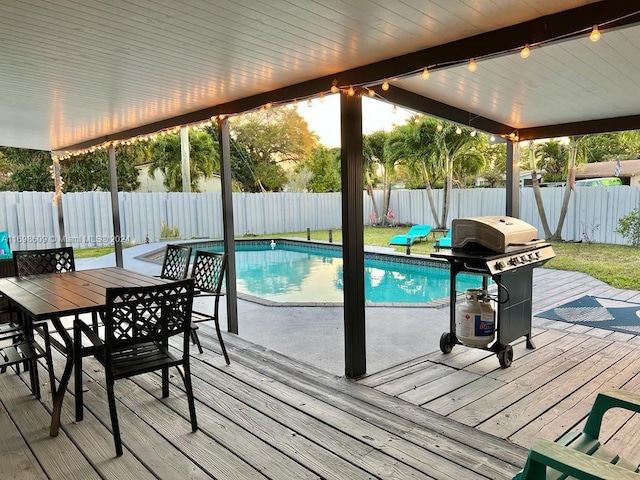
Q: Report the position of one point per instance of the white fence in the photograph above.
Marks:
(32, 222)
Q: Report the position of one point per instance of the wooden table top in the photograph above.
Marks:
(61, 294)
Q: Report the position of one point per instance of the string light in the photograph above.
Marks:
(472, 65)
(321, 97)
(295, 102)
(473, 133)
(458, 130)
(371, 93)
(385, 85)
(309, 103)
(395, 109)
(492, 138)
(524, 53)
(595, 34)
(425, 74)
(334, 86)
(439, 127)
(269, 105)
(351, 92)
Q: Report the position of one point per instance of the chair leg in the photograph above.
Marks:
(196, 340)
(77, 373)
(35, 379)
(224, 349)
(185, 373)
(49, 360)
(165, 382)
(114, 416)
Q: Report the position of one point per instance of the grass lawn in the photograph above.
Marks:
(617, 265)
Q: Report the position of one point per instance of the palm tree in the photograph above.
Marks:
(166, 157)
(441, 151)
(376, 159)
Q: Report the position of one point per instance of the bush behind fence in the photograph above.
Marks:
(32, 220)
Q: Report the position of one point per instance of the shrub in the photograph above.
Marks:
(169, 232)
(629, 227)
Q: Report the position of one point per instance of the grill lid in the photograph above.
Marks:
(498, 233)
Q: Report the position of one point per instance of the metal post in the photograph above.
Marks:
(308, 233)
(513, 179)
(330, 236)
(224, 145)
(115, 205)
(353, 234)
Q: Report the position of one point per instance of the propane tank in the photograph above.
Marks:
(475, 319)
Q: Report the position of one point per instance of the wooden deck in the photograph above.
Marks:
(455, 416)
(546, 391)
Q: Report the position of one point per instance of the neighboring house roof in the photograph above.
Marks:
(629, 168)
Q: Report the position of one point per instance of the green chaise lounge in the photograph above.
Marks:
(417, 232)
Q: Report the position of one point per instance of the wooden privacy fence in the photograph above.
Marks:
(32, 220)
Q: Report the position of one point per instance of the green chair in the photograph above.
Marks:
(580, 455)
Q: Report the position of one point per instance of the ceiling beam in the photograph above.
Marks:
(606, 14)
(604, 125)
(407, 99)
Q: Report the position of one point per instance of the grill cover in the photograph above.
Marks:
(497, 233)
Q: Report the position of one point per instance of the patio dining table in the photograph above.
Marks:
(57, 295)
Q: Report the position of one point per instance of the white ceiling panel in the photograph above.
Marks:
(75, 71)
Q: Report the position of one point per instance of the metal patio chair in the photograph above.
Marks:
(138, 324)
(175, 265)
(50, 260)
(208, 273)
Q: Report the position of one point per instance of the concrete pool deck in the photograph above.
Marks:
(315, 334)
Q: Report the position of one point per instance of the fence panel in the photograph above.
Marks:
(32, 222)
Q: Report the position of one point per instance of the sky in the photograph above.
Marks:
(323, 117)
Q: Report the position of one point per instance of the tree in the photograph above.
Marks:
(167, 158)
(552, 157)
(617, 145)
(29, 170)
(439, 150)
(324, 166)
(267, 143)
(378, 161)
(495, 167)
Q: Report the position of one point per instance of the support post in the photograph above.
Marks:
(352, 234)
(115, 205)
(184, 156)
(224, 148)
(57, 200)
(513, 179)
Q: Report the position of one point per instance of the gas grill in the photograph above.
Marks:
(506, 250)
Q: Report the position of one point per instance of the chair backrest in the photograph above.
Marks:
(422, 230)
(51, 260)
(176, 262)
(136, 315)
(208, 271)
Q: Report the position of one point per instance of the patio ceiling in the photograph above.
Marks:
(77, 73)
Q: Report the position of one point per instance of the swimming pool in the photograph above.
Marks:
(305, 272)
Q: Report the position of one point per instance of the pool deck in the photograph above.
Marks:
(277, 412)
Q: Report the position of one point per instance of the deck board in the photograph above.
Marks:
(267, 416)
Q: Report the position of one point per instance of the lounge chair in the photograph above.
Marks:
(417, 232)
(443, 242)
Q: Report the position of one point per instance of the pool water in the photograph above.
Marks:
(292, 272)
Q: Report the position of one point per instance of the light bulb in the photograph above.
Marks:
(425, 73)
(395, 109)
(372, 93)
(295, 102)
(472, 65)
(524, 53)
(309, 103)
(322, 97)
(334, 89)
(351, 92)
(473, 133)
(492, 138)
(458, 130)
(385, 85)
(269, 104)
(595, 34)
(439, 127)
